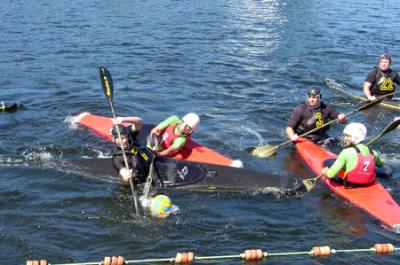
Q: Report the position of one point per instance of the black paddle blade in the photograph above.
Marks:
(393, 125)
(390, 127)
(106, 82)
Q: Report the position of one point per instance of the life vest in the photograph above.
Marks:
(318, 119)
(139, 159)
(169, 136)
(383, 83)
(364, 172)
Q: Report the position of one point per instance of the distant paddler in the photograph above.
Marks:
(380, 81)
(10, 107)
(311, 115)
(357, 159)
(171, 135)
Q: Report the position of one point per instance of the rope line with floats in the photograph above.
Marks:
(247, 255)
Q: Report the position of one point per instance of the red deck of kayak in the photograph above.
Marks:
(374, 199)
(192, 151)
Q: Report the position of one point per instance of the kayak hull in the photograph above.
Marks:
(192, 151)
(196, 176)
(374, 199)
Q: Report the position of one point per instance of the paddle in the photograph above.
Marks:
(267, 150)
(147, 186)
(310, 183)
(107, 84)
(390, 127)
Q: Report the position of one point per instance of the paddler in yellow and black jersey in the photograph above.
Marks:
(310, 115)
(171, 135)
(381, 80)
(139, 158)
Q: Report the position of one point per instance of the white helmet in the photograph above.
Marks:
(357, 131)
(192, 119)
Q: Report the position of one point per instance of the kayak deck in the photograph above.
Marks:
(192, 151)
(373, 199)
(389, 104)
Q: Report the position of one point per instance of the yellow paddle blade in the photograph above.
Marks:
(309, 184)
(264, 151)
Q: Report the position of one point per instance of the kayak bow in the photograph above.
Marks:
(374, 199)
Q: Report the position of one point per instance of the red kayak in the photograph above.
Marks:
(373, 199)
(192, 151)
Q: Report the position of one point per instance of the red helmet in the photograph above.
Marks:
(387, 57)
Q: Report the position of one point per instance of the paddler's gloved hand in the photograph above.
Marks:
(156, 131)
(342, 118)
(294, 137)
(126, 174)
(117, 120)
(324, 171)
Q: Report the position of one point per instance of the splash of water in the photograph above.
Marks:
(249, 131)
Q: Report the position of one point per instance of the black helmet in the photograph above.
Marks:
(122, 130)
(314, 91)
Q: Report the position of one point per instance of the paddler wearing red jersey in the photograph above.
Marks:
(357, 159)
(172, 134)
(310, 115)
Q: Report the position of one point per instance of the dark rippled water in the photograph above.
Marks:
(233, 62)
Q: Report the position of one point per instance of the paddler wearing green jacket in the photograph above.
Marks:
(357, 159)
(171, 135)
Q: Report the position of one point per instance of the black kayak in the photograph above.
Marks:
(198, 176)
(9, 107)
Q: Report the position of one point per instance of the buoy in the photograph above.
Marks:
(160, 206)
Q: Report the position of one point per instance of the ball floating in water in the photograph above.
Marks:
(160, 206)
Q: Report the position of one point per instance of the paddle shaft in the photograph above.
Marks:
(149, 179)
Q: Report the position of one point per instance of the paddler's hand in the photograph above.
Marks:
(371, 98)
(324, 171)
(126, 174)
(294, 137)
(155, 131)
(342, 118)
(117, 120)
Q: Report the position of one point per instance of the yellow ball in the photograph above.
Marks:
(160, 205)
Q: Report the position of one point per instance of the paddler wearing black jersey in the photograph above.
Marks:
(381, 80)
(311, 114)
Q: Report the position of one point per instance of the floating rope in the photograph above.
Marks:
(247, 255)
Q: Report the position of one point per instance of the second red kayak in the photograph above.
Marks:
(373, 199)
(192, 151)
